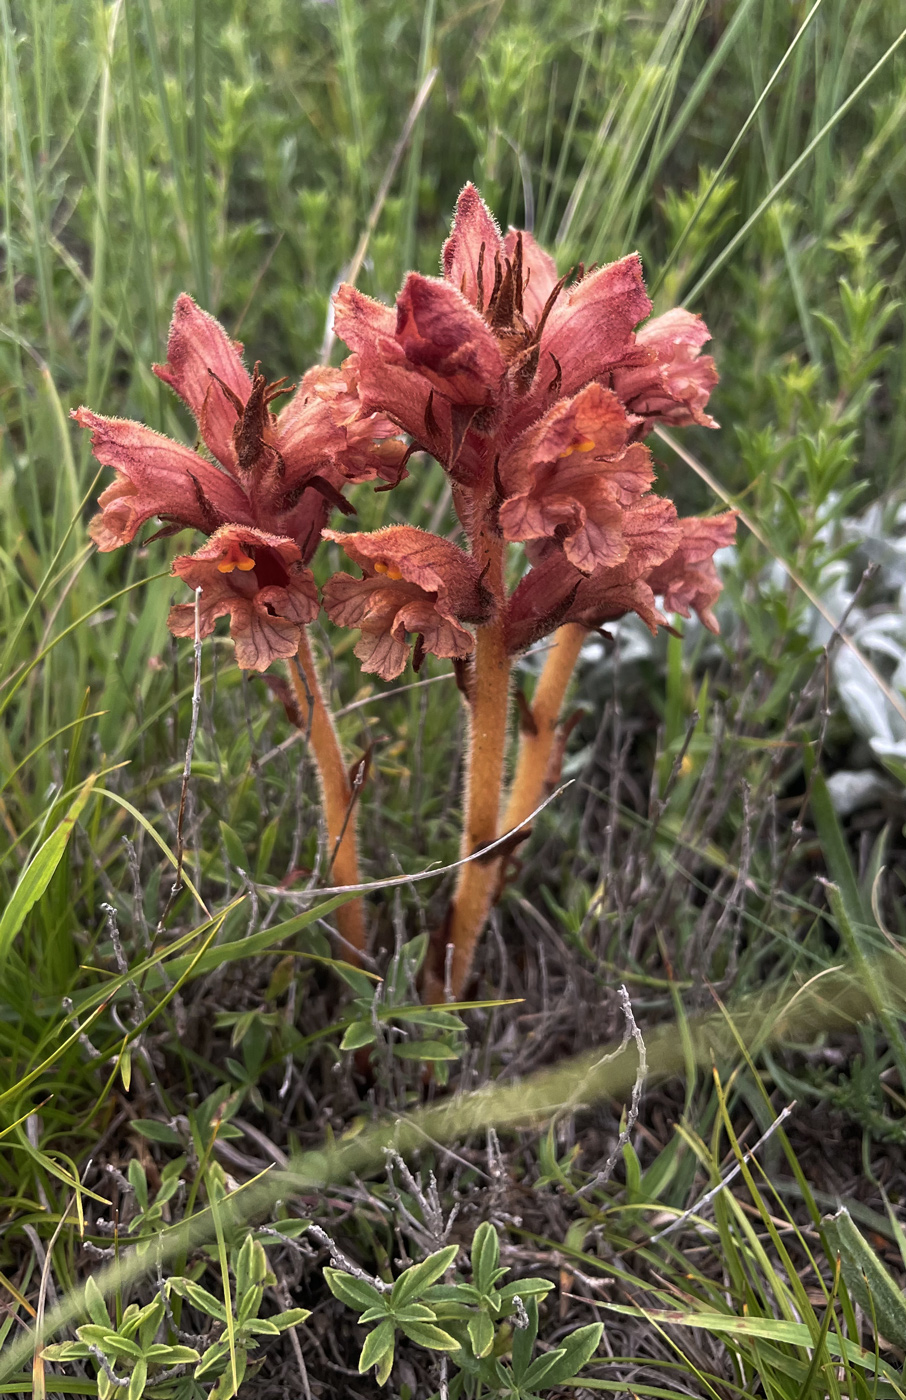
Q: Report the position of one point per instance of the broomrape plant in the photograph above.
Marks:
(534, 392)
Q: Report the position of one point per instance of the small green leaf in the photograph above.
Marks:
(576, 1351)
(291, 1318)
(481, 1334)
(138, 1182)
(867, 1279)
(524, 1340)
(540, 1370)
(262, 1327)
(413, 1312)
(94, 1300)
(525, 1288)
(66, 1351)
(199, 1298)
(156, 1131)
(38, 873)
(138, 1380)
(425, 1334)
(416, 1279)
(213, 1360)
(111, 1343)
(164, 1355)
(354, 1292)
(358, 1034)
(377, 1345)
(291, 1228)
(485, 1257)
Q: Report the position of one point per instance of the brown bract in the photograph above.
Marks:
(260, 581)
(275, 474)
(413, 584)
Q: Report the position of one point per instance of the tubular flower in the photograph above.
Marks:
(555, 592)
(266, 500)
(260, 581)
(572, 477)
(413, 583)
(688, 580)
(676, 384)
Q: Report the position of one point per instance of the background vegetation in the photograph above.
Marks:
(731, 850)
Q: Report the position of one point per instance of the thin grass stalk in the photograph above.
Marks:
(727, 252)
(414, 169)
(36, 223)
(99, 232)
(201, 225)
(339, 799)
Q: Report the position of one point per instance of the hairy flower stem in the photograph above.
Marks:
(340, 806)
(533, 779)
(484, 781)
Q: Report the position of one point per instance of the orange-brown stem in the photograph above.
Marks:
(533, 779)
(484, 780)
(340, 806)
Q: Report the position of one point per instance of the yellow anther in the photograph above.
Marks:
(382, 567)
(583, 445)
(235, 559)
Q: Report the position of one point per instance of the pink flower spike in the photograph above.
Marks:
(260, 581)
(205, 368)
(155, 476)
(688, 580)
(414, 583)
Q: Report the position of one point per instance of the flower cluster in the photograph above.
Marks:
(263, 500)
(535, 393)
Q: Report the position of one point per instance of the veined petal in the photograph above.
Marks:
(260, 581)
(198, 346)
(554, 591)
(688, 580)
(326, 417)
(386, 610)
(592, 424)
(608, 596)
(468, 255)
(446, 340)
(571, 478)
(590, 329)
(414, 583)
(155, 476)
(675, 385)
(435, 566)
(360, 321)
